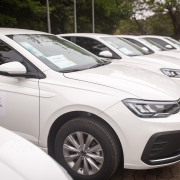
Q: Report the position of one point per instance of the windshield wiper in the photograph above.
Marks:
(135, 55)
(100, 64)
(71, 70)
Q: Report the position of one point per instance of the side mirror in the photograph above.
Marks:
(145, 49)
(168, 46)
(106, 54)
(12, 69)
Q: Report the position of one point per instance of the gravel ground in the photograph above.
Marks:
(166, 173)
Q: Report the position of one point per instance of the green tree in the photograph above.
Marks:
(172, 9)
(62, 16)
(107, 15)
(154, 25)
(27, 14)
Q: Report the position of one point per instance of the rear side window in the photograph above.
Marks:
(160, 42)
(67, 38)
(94, 46)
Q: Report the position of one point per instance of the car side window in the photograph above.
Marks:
(8, 55)
(135, 42)
(94, 46)
(138, 44)
(161, 42)
(67, 38)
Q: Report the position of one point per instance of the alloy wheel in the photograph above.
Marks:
(83, 153)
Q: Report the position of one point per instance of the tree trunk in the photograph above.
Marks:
(139, 26)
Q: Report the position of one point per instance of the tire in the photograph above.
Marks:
(80, 161)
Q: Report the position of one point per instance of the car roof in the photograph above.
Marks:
(86, 34)
(130, 36)
(9, 31)
(153, 36)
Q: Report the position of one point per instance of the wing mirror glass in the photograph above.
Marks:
(106, 54)
(168, 46)
(145, 49)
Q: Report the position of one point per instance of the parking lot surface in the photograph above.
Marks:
(166, 173)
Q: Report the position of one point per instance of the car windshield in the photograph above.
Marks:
(59, 54)
(154, 46)
(175, 42)
(124, 46)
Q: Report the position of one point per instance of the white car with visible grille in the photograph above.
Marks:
(150, 46)
(119, 50)
(91, 116)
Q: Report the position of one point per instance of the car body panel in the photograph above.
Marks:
(19, 159)
(16, 93)
(98, 91)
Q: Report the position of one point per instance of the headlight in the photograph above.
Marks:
(171, 72)
(152, 109)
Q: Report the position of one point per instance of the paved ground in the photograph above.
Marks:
(166, 173)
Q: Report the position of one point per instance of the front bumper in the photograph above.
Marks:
(138, 136)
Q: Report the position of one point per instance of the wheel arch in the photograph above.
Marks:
(61, 120)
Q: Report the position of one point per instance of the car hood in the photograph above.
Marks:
(164, 61)
(174, 54)
(134, 80)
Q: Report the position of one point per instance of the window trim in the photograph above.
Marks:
(152, 38)
(74, 39)
(39, 75)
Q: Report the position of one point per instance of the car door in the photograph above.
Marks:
(19, 97)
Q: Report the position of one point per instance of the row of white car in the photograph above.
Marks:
(91, 114)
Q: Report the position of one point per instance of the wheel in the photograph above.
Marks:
(87, 149)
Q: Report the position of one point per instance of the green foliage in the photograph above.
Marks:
(7, 21)
(152, 25)
(62, 16)
(113, 16)
(107, 15)
(172, 9)
(27, 14)
(127, 27)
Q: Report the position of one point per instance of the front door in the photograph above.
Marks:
(19, 99)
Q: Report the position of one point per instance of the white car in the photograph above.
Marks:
(165, 41)
(90, 115)
(21, 160)
(120, 51)
(150, 46)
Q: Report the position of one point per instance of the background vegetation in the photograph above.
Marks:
(161, 17)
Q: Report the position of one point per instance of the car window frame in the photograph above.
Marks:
(35, 75)
(117, 56)
(152, 39)
(134, 41)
